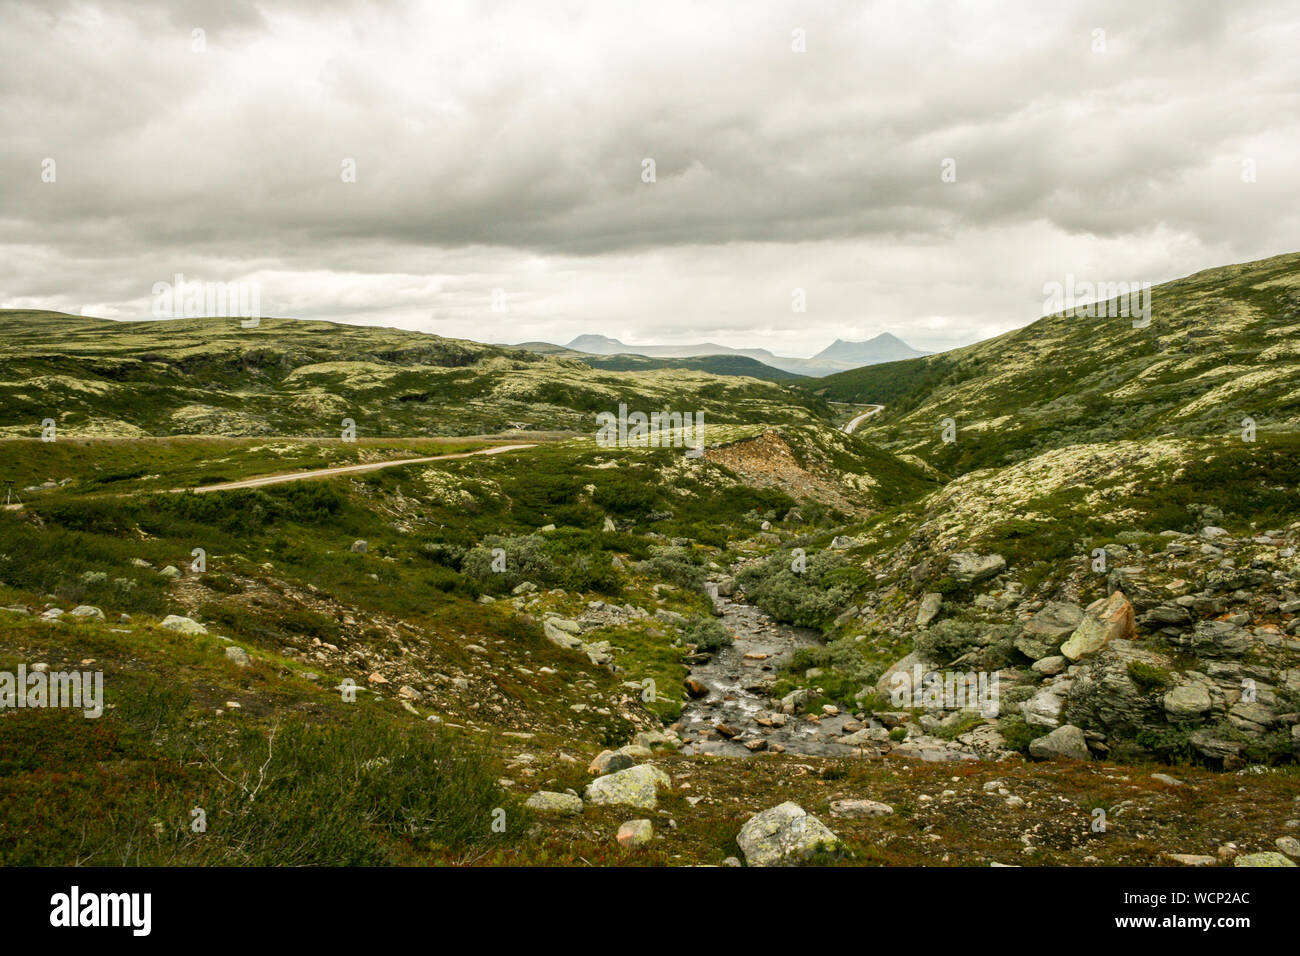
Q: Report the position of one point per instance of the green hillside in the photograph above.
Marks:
(1221, 347)
(290, 377)
(713, 364)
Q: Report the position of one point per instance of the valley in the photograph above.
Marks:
(477, 613)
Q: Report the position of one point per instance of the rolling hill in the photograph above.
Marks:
(629, 362)
(1221, 348)
(837, 357)
(210, 376)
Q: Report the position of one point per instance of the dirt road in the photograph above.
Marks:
(852, 426)
(349, 469)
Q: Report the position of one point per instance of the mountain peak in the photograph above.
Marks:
(885, 347)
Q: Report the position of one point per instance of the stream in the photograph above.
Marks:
(738, 703)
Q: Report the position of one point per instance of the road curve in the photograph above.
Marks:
(348, 469)
(851, 427)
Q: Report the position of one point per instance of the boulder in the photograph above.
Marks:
(1045, 707)
(1064, 743)
(634, 787)
(238, 656)
(1208, 744)
(548, 801)
(86, 610)
(1187, 702)
(633, 833)
(929, 609)
(1267, 858)
(1103, 622)
(968, 568)
(1050, 666)
(1104, 695)
(182, 625)
(785, 835)
(696, 688)
(1046, 630)
(610, 761)
(906, 664)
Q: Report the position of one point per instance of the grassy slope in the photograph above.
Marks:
(290, 377)
(1220, 347)
(282, 583)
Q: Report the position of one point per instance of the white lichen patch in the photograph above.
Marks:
(1242, 381)
(350, 375)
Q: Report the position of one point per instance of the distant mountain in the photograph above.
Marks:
(839, 357)
(631, 362)
(885, 347)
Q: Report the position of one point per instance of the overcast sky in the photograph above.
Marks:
(502, 146)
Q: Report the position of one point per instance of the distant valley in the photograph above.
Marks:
(839, 356)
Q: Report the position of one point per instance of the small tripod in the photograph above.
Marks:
(10, 497)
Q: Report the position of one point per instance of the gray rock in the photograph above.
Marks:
(1187, 702)
(610, 761)
(860, 809)
(635, 787)
(968, 568)
(929, 609)
(1065, 742)
(86, 610)
(785, 834)
(1209, 744)
(359, 546)
(238, 655)
(1044, 709)
(1288, 845)
(548, 801)
(1050, 666)
(171, 571)
(795, 701)
(184, 625)
(633, 833)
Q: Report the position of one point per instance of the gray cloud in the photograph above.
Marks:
(500, 145)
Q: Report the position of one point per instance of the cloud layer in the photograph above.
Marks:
(502, 146)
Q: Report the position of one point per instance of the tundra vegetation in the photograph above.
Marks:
(490, 659)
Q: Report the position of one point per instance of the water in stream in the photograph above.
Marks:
(762, 648)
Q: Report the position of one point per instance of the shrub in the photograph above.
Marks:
(707, 634)
(1148, 677)
(675, 566)
(811, 598)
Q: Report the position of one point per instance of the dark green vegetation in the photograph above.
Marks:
(712, 364)
(283, 583)
(326, 788)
